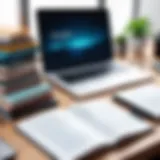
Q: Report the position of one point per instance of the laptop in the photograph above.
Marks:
(78, 54)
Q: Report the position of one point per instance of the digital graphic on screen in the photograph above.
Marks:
(70, 39)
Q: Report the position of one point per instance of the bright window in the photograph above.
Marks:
(121, 12)
(9, 14)
(36, 4)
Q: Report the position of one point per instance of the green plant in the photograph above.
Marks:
(121, 39)
(139, 27)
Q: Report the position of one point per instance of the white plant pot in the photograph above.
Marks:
(136, 48)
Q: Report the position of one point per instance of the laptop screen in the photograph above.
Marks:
(74, 38)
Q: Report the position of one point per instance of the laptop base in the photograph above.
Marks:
(103, 81)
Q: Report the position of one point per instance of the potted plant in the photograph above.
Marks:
(138, 31)
(121, 45)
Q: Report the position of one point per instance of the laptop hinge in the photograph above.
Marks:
(102, 4)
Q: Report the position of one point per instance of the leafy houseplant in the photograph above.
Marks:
(121, 44)
(139, 28)
(138, 31)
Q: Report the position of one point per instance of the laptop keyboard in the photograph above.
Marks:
(81, 76)
(71, 78)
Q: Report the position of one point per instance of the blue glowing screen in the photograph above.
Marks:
(71, 38)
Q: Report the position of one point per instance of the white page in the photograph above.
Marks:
(62, 134)
(145, 98)
(109, 119)
(55, 4)
(10, 15)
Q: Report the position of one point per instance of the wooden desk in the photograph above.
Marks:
(140, 149)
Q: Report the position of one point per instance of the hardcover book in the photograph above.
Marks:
(13, 37)
(12, 48)
(144, 100)
(33, 106)
(10, 72)
(18, 56)
(18, 98)
(19, 61)
(20, 83)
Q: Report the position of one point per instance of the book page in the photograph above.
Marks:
(148, 101)
(62, 134)
(109, 119)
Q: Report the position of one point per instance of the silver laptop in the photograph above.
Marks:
(77, 51)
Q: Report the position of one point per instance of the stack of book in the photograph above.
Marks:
(21, 86)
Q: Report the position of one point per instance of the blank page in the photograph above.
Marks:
(110, 120)
(62, 134)
(145, 98)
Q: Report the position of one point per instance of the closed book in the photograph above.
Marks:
(20, 98)
(7, 58)
(144, 100)
(18, 52)
(17, 61)
(42, 102)
(8, 37)
(14, 72)
(11, 48)
(20, 83)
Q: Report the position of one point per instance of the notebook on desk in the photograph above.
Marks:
(145, 100)
(80, 130)
(6, 151)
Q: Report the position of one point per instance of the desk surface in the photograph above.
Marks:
(145, 145)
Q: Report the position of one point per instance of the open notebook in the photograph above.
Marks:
(81, 129)
(145, 99)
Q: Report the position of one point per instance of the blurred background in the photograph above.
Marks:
(132, 21)
(121, 11)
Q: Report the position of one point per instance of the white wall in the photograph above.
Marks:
(36, 4)
(151, 9)
(10, 11)
(121, 10)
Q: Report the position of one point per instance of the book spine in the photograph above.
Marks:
(17, 61)
(41, 98)
(31, 81)
(10, 59)
(13, 47)
(19, 52)
(27, 95)
(14, 40)
(9, 75)
(21, 79)
(43, 102)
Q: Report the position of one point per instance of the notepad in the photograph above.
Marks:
(81, 129)
(6, 152)
(146, 99)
